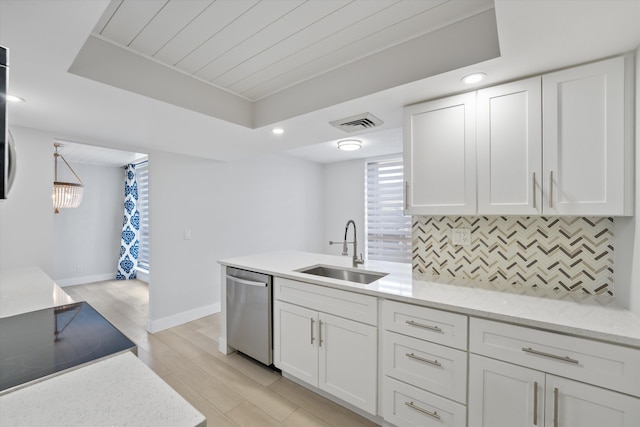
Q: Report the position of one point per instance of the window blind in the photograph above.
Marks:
(142, 178)
(388, 230)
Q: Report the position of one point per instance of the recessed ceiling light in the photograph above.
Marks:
(277, 131)
(473, 78)
(14, 98)
(349, 144)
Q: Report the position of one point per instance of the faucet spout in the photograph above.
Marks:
(345, 249)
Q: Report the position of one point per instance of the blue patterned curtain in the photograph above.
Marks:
(130, 227)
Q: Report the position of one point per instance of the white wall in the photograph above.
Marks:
(87, 238)
(261, 204)
(627, 230)
(26, 217)
(634, 297)
(266, 203)
(343, 200)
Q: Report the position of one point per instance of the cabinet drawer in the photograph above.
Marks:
(437, 326)
(350, 305)
(594, 362)
(439, 369)
(408, 406)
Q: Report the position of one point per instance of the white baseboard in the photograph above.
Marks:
(181, 318)
(223, 347)
(142, 275)
(72, 281)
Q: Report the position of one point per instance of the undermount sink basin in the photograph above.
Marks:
(358, 276)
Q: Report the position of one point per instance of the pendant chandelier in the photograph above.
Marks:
(65, 194)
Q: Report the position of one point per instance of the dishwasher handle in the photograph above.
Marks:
(246, 282)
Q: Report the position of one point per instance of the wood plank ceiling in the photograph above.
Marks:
(255, 48)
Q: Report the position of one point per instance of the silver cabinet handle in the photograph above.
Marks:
(533, 179)
(406, 194)
(535, 403)
(433, 414)
(422, 359)
(320, 332)
(422, 325)
(551, 189)
(312, 337)
(556, 422)
(552, 356)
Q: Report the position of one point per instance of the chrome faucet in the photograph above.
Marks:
(345, 249)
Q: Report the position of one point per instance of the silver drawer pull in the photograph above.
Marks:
(535, 403)
(433, 414)
(552, 356)
(421, 325)
(422, 359)
(556, 398)
(312, 337)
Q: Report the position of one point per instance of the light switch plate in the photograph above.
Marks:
(187, 234)
(461, 236)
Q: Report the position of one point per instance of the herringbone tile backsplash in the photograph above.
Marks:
(572, 254)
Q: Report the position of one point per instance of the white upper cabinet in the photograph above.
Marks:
(585, 140)
(510, 149)
(440, 156)
(559, 144)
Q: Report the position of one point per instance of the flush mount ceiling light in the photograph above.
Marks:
(277, 131)
(65, 194)
(14, 98)
(473, 78)
(349, 144)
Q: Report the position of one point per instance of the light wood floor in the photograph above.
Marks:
(229, 390)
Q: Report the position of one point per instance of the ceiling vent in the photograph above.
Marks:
(355, 123)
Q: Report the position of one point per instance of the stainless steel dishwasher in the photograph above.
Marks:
(249, 314)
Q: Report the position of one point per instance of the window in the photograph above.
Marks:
(142, 178)
(388, 230)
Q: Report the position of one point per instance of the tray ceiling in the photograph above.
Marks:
(257, 48)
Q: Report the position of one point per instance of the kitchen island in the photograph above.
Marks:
(114, 390)
(412, 350)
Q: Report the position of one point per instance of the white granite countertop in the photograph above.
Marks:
(596, 317)
(118, 391)
(28, 289)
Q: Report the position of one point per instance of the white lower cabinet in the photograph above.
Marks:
(335, 354)
(295, 350)
(425, 366)
(408, 406)
(573, 404)
(505, 395)
(446, 369)
(520, 376)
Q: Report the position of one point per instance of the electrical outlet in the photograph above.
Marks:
(461, 236)
(78, 269)
(186, 235)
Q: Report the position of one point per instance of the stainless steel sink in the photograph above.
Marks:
(358, 276)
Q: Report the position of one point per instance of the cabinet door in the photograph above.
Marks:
(348, 361)
(504, 395)
(440, 156)
(584, 140)
(510, 149)
(573, 404)
(295, 341)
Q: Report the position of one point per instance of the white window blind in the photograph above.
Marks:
(388, 230)
(142, 178)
